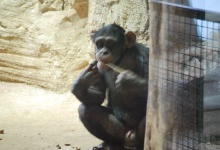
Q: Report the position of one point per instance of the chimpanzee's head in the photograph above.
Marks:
(111, 43)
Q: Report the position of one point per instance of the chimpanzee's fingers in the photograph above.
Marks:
(122, 75)
(117, 85)
(91, 65)
(127, 74)
(91, 74)
(118, 80)
(93, 77)
(93, 62)
(94, 81)
(88, 75)
(96, 75)
(89, 68)
(95, 69)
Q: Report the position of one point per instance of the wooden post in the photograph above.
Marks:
(171, 108)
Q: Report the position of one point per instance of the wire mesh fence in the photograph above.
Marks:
(186, 72)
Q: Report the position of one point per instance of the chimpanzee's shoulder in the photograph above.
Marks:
(142, 58)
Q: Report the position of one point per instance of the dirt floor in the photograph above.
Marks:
(36, 119)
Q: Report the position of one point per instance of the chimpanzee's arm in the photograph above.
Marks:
(132, 83)
(89, 87)
(89, 95)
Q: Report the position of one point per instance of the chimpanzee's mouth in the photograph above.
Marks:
(105, 59)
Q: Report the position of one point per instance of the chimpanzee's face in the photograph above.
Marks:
(108, 49)
(110, 44)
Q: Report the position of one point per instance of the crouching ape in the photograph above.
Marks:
(121, 70)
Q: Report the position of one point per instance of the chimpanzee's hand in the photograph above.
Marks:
(88, 77)
(128, 81)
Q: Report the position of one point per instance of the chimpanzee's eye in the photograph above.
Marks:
(100, 45)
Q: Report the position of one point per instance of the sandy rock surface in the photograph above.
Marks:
(42, 42)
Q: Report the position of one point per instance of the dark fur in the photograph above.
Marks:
(126, 108)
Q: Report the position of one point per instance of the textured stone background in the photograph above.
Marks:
(46, 43)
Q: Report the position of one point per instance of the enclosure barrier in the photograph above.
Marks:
(183, 111)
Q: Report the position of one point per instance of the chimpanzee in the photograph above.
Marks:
(120, 124)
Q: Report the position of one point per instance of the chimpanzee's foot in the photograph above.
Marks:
(131, 141)
(106, 146)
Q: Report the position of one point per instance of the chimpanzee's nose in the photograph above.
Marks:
(105, 53)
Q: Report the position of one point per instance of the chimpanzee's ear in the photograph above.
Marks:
(92, 33)
(130, 39)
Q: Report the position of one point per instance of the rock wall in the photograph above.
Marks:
(45, 42)
(130, 14)
(41, 43)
